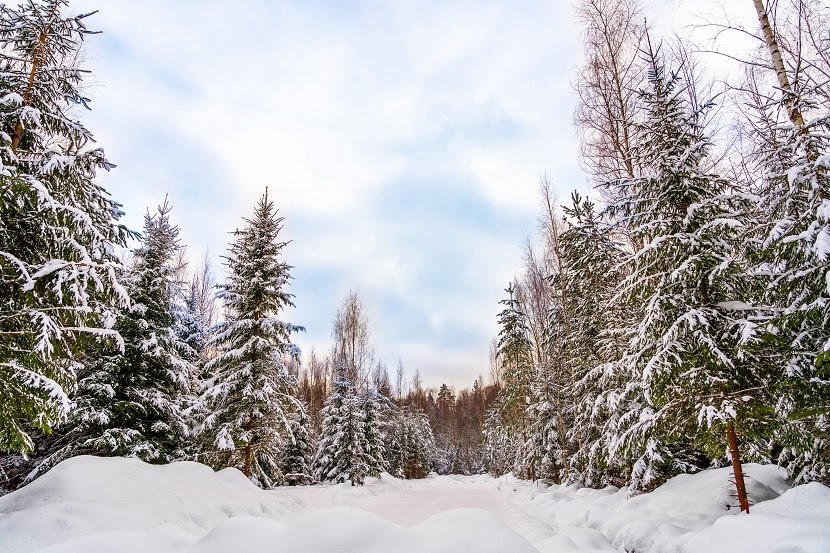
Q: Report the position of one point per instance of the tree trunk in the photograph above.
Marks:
(737, 469)
(778, 64)
(37, 59)
(248, 460)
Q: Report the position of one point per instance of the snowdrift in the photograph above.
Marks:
(692, 513)
(108, 505)
(115, 505)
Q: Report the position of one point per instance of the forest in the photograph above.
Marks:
(674, 320)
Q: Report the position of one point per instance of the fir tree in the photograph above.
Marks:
(132, 402)
(374, 410)
(297, 454)
(501, 445)
(196, 312)
(688, 357)
(417, 444)
(58, 231)
(793, 237)
(591, 345)
(250, 395)
(341, 452)
(514, 351)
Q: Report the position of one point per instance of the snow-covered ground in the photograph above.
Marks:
(95, 505)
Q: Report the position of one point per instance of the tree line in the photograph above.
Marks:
(138, 355)
(679, 320)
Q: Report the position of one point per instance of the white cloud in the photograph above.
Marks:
(329, 109)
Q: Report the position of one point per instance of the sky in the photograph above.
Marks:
(402, 142)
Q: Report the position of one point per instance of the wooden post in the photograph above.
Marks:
(737, 469)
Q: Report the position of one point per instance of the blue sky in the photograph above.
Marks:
(401, 141)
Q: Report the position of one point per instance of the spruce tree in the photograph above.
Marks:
(59, 235)
(341, 452)
(514, 355)
(793, 239)
(514, 350)
(693, 379)
(131, 402)
(250, 397)
(501, 446)
(297, 454)
(375, 409)
(591, 344)
(416, 443)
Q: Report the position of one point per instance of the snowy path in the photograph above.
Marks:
(416, 501)
(105, 505)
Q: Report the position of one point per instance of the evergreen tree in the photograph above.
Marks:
(514, 353)
(374, 409)
(793, 212)
(132, 402)
(514, 350)
(297, 454)
(501, 446)
(250, 395)
(412, 444)
(196, 312)
(692, 377)
(58, 231)
(591, 345)
(341, 451)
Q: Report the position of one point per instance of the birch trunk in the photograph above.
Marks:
(778, 64)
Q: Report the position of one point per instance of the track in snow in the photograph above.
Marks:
(412, 502)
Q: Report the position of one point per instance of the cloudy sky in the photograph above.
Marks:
(402, 142)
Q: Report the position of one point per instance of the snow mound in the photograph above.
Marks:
(691, 513)
(796, 522)
(88, 495)
(105, 505)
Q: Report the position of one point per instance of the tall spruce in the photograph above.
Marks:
(59, 271)
(514, 351)
(376, 409)
(132, 402)
(342, 450)
(688, 358)
(250, 397)
(591, 344)
(793, 238)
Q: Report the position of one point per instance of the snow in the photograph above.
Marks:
(99, 505)
(691, 513)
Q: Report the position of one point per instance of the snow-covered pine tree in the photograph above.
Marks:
(196, 313)
(687, 357)
(501, 445)
(131, 402)
(514, 350)
(418, 444)
(789, 150)
(544, 449)
(411, 444)
(445, 434)
(590, 343)
(296, 457)
(58, 229)
(375, 411)
(249, 396)
(341, 451)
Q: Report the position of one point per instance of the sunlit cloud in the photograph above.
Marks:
(402, 142)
